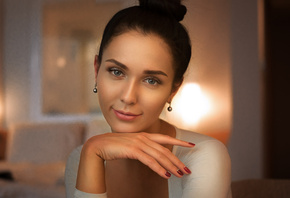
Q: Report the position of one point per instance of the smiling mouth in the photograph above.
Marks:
(126, 116)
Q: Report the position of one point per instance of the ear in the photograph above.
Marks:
(96, 66)
(174, 90)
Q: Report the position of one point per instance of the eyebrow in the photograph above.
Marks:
(151, 72)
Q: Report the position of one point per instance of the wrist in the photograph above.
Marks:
(91, 173)
(91, 151)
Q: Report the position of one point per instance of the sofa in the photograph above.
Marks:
(261, 188)
(36, 156)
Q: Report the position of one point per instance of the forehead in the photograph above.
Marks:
(145, 50)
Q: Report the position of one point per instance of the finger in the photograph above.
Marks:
(152, 164)
(166, 158)
(165, 139)
(156, 140)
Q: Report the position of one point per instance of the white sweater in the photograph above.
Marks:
(209, 162)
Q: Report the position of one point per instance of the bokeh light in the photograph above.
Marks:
(190, 104)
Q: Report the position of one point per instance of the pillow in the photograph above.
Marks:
(43, 142)
(96, 127)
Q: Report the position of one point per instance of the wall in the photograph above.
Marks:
(246, 143)
(17, 53)
(208, 23)
(277, 95)
(236, 41)
(22, 64)
(1, 64)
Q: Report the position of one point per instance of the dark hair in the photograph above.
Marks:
(160, 17)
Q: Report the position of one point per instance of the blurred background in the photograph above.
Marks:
(236, 88)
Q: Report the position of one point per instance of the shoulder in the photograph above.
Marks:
(196, 138)
(74, 156)
(71, 170)
(203, 144)
(72, 163)
(210, 164)
(209, 155)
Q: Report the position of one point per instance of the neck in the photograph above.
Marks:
(159, 126)
(162, 127)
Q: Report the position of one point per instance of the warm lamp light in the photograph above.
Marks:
(1, 113)
(3, 133)
(61, 62)
(190, 105)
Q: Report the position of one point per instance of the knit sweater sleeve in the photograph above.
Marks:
(210, 165)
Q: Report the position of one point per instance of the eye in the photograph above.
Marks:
(152, 81)
(116, 72)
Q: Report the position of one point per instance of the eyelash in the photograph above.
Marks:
(112, 70)
(157, 81)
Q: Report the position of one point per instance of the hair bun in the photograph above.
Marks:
(172, 8)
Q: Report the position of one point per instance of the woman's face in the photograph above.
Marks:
(134, 82)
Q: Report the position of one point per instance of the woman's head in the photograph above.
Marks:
(143, 56)
(159, 17)
(135, 81)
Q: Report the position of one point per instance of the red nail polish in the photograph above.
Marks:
(187, 170)
(179, 172)
(192, 144)
(168, 174)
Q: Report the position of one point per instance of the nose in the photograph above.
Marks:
(130, 93)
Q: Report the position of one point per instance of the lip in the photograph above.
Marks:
(126, 116)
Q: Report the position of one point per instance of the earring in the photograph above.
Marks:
(95, 90)
(169, 108)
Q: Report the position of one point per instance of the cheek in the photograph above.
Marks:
(106, 92)
(154, 102)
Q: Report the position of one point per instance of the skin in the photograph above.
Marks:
(135, 80)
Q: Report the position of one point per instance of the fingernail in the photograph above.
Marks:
(192, 144)
(179, 172)
(168, 174)
(187, 170)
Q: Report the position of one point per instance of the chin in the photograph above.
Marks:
(126, 128)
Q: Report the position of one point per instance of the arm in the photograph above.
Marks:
(91, 172)
(144, 147)
(71, 172)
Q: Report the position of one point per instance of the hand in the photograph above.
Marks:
(145, 147)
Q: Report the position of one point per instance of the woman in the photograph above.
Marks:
(143, 56)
